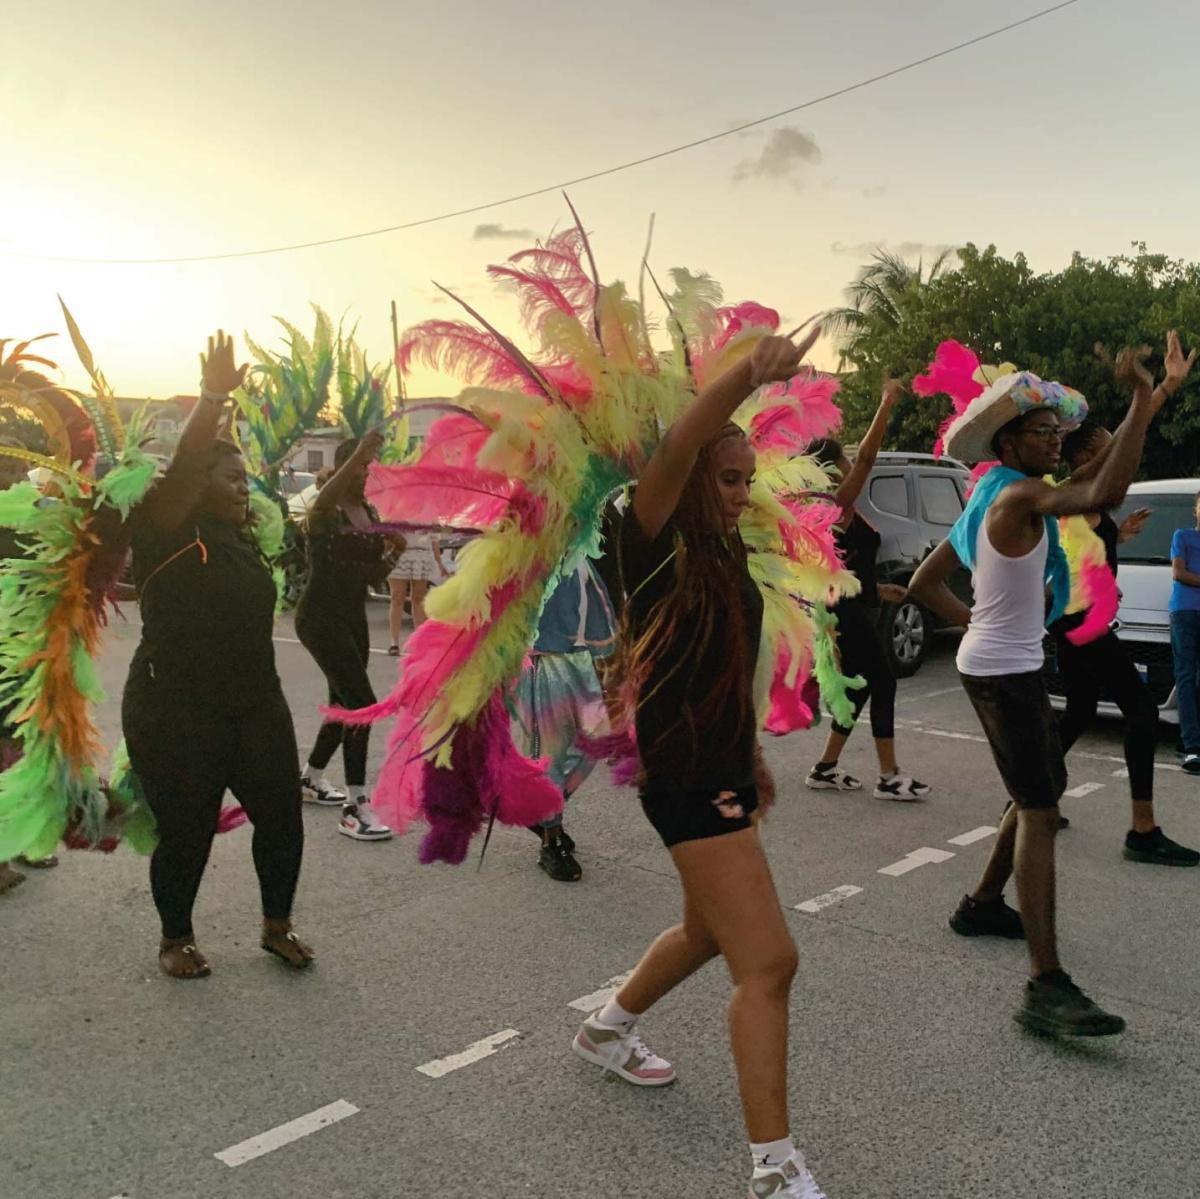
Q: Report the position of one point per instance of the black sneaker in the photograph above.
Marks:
(975, 918)
(536, 830)
(1156, 847)
(558, 861)
(1056, 1006)
(1191, 763)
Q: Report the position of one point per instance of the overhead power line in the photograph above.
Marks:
(553, 187)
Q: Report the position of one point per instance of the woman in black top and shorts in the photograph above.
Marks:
(858, 641)
(344, 557)
(203, 709)
(689, 644)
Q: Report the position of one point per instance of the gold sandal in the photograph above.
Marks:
(306, 954)
(188, 948)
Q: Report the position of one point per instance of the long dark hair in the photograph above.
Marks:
(702, 608)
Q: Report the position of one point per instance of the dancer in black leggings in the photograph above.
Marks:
(1104, 665)
(857, 633)
(344, 557)
(203, 709)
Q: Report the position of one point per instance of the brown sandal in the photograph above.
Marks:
(300, 960)
(187, 947)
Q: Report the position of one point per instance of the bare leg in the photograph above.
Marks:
(885, 748)
(729, 891)
(1036, 830)
(999, 866)
(398, 589)
(1143, 816)
(419, 587)
(834, 744)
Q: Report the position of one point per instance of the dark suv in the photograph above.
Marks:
(912, 499)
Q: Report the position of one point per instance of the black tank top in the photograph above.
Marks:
(858, 543)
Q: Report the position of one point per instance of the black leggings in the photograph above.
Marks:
(187, 750)
(1105, 664)
(862, 654)
(342, 649)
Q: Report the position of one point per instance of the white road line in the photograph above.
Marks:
(293, 641)
(976, 834)
(597, 999)
(285, 1134)
(828, 899)
(469, 1056)
(917, 727)
(919, 857)
(913, 699)
(1123, 773)
(1084, 789)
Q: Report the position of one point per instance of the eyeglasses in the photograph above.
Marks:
(1045, 432)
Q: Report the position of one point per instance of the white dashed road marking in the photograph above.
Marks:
(919, 857)
(828, 899)
(1084, 789)
(285, 1134)
(976, 834)
(1123, 773)
(597, 999)
(469, 1056)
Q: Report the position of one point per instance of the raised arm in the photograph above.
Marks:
(774, 359)
(928, 586)
(1106, 488)
(340, 484)
(180, 488)
(868, 449)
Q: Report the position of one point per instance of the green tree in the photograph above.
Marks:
(1048, 323)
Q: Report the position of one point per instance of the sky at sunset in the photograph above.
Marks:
(170, 129)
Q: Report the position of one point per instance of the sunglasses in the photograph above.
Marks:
(1045, 432)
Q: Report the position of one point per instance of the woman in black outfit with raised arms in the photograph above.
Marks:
(859, 646)
(689, 643)
(1104, 665)
(203, 710)
(344, 557)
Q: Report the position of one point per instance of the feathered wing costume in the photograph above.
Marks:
(957, 372)
(526, 457)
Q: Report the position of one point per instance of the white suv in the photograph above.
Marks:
(1144, 580)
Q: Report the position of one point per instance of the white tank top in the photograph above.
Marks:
(1008, 619)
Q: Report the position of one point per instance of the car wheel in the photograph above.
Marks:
(906, 632)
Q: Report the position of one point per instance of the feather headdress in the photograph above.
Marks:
(528, 457)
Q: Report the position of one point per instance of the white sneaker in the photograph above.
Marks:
(320, 793)
(833, 779)
(901, 788)
(359, 821)
(624, 1054)
(788, 1181)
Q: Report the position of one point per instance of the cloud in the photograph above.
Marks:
(786, 152)
(873, 193)
(905, 249)
(499, 233)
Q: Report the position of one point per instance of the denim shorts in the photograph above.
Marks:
(695, 815)
(1014, 710)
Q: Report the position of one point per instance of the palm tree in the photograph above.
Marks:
(879, 295)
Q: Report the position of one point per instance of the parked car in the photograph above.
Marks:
(1144, 579)
(912, 499)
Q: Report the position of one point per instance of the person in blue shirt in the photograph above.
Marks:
(1185, 637)
(558, 699)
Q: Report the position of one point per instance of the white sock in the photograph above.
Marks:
(358, 794)
(772, 1153)
(613, 1015)
(314, 776)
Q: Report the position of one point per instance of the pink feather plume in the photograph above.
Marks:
(805, 411)
(460, 349)
(790, 706)
(952, 373)
(453, 497)
(1100, 590)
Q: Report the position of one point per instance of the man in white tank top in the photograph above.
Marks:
(1000, 657)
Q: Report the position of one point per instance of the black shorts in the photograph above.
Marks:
(695, 815)
(1014, 710)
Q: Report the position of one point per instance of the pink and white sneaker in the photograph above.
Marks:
(622, 1054)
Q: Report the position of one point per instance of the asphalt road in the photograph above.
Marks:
(909, 1077)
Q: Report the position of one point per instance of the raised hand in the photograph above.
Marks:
(1130, 370)
(370, 445)
(1176, 364)
(1131, 526)
(777, 359)
(218, 373)
(893, 389)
